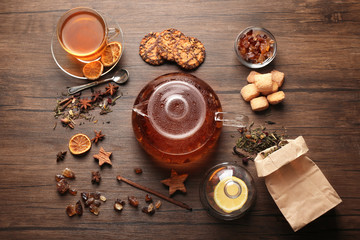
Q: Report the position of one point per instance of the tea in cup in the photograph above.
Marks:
(84, 33)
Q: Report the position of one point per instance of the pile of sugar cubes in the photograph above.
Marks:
(263, 89)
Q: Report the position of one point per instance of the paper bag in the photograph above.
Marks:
(297, 185)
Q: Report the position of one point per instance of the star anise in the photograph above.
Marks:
(60, 156)
(95, 177)
(111, 89)
(96, 96)
(84, 103)
(175, 182)
(98, 137)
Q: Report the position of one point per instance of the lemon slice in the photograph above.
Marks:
(230, 194)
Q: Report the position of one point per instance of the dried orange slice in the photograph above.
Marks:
(79, 144)
(111, 54)
(93, 70)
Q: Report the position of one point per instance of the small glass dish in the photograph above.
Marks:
(227, 191)
(264, 60)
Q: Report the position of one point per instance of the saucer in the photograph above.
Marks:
(73, 66)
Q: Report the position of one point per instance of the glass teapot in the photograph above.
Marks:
(177, 118)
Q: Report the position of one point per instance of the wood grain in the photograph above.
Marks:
(318, 51)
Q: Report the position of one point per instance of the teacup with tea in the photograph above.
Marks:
(84, 33)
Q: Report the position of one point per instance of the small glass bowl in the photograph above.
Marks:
(233, 183)
(255, 31)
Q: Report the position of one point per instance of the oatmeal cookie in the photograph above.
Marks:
(149, 49)
(167, 42)
(189, 53)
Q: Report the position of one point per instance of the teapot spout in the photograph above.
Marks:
(141, 108)
(232, 119)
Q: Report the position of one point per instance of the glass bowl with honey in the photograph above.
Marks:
(255, 47)
(227, 191)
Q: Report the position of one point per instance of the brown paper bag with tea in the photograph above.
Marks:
(295, 182)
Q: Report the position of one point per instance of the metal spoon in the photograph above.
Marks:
(120, 77)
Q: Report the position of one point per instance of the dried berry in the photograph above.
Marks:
(119, 205)
(148, 198)
(89, 201)
(70, 210)
(78, 208)
(68, 173)
(149, 209)
(72, 191)
(84, 196)
(59, 177)
(60, 156)
(138, 170)
(158, 204)
(97, 203)
(103, 198)
(94, 209)
(62, 186)
(95, 177)
(133, 201)
(95, 195)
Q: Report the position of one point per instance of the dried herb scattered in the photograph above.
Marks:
(173, 201)
(253, 141)
(60, 156)
(175, 182)
(138, 170)
(76, 107)
(98, 137)
(95, 177)
(111, 89)
(103, 157)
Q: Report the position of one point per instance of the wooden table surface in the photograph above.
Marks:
(318, 49)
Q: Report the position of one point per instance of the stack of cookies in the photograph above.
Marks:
(266, 85)
(172, 45)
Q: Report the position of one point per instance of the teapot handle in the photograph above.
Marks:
(231, 119)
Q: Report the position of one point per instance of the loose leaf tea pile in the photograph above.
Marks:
(75, 107)
(253, 141)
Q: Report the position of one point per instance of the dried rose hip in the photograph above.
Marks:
(95, 195)
(103, 198)
(89, 202)
(158, 204)
(62, 186)
(94, 209)
(138, 170)
(78, 208)
(72, 191)
(84, 196)
(70, 210)
(59, 177)
(67, 172)
(133, 201)
(148, 198)
(97, 203)
(119, 205)
(149, 209)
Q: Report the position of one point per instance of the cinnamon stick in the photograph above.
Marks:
(173, 201)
